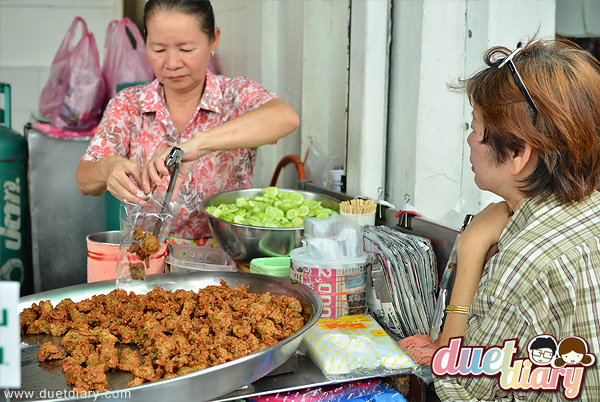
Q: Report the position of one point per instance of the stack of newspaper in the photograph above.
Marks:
(403, 279)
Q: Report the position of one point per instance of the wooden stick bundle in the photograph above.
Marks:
(358, 207)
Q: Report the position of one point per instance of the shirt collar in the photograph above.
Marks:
(153, 98)
(530, 210)
(212, 98)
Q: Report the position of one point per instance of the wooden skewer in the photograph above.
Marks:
(358, 207)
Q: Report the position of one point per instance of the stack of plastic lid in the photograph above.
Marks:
(273, 266)
(183, 258)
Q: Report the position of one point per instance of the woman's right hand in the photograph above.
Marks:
(122, 177)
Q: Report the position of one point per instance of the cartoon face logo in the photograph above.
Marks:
(572, 357)
(573, 350)
(542, 350)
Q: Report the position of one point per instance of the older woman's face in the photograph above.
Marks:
(489, 175)
(178, 50)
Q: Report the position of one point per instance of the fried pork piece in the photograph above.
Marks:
(108, 355)
(48, 321)
(75, 339)
(137, 270)
(28, 316)
(147, 244)
(71, 369)
(138, 234)
(129, 360)
(94, 379)
(134, 382)
(50, 351)
(103, 335)
(146, 372)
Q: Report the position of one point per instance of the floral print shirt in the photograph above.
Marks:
(137, 123)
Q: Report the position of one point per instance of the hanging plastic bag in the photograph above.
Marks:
(143, 248)
(318, 165)
(124, 62)
(73, 97)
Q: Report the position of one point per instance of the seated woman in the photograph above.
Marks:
(535, 142)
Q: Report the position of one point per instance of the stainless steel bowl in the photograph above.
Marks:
(244, 242)
(198, 386)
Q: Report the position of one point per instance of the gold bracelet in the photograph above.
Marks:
(457, 309)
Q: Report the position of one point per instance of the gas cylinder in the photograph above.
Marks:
(14, 208)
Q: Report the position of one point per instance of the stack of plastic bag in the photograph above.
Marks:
(355, 346)
(333, 263)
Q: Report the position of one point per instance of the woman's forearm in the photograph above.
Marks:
(468, 274)
(264, 125)
(91, 177)
(477, 244)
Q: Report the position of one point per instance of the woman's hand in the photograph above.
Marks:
(116, 174)
(155, 169)
(122, 176)
(485, 229)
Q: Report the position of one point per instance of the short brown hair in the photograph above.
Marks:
(564, 82)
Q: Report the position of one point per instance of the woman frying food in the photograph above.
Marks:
(217, 121)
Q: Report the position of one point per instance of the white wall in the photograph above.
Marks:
(298, 50)
(436, 42)
(31, 32)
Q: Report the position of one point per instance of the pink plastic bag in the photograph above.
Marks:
(124, 62)
(73, 97)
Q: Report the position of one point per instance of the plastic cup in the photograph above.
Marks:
(336, 179)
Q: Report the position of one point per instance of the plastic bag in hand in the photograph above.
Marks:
(124, 62)
(142, 251)
(73, 97)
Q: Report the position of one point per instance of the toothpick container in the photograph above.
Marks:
(360, 219)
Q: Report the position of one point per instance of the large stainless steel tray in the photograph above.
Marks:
(46, 380)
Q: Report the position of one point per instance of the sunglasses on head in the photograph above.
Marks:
(513, 69)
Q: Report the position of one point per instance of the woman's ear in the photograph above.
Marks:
(215, 39)
(522, 160)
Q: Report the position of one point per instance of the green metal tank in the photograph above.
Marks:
(15, 258)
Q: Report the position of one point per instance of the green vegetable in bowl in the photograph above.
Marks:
(271, 209)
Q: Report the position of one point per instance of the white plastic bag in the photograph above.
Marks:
(317, 165)
(142, 252)
(353, 346)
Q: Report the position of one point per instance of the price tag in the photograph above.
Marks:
(10, 335)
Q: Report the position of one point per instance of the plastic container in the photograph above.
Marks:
(103, 252)
(183, 258)
(360, 219)
(341, 284)
(273, 266)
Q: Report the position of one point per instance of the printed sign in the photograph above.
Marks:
(10, 335)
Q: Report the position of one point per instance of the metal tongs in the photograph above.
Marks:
(446, 283)
(174, 159)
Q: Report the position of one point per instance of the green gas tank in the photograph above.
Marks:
(14, 206)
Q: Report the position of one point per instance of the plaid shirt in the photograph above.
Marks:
(544, 280)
